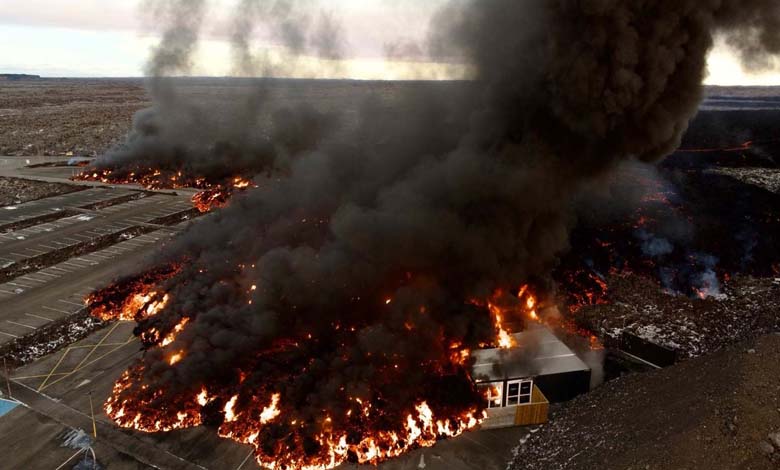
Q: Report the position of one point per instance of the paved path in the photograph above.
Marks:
(110, 435)
(55, 204)
(38, 240)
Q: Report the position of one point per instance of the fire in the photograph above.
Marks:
(230, 414)
(203, 397)
(133, 298)
(363, 434)
(505, 340)
(518, 307)
(271, 411)
(206, 201)
(586, 288)
(420, 428)
(214, 193)
(175, 357)
(119, 410)
(358, 430)
(176, 330)
(744, 146)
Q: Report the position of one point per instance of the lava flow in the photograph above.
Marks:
(744, 146)
(133, 298)
(215, 193)
(364, 425)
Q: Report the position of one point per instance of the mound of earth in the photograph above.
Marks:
(720, 411)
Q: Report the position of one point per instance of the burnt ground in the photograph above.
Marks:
(716, 412)
(18, 191)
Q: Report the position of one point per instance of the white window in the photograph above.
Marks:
(493, 393)
(518, 392)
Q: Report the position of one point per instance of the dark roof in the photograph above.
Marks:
(539, 352)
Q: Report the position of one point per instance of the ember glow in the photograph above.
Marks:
(515, 309)
(248, 410)
(133, 298)
(215, 193)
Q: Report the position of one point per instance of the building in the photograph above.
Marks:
(519, 383)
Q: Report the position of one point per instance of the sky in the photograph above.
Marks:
(113, 38)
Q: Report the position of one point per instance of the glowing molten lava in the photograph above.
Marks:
(738, 148)
(132, 298)
(214, 193)
(257, 408)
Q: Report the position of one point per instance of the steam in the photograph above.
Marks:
(388, 223)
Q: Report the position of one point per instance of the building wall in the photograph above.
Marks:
(528, 414)
(564, 387)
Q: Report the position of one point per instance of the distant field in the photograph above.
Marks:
(89, 116)
(54, 117)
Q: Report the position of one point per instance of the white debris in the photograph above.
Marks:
(77, 439)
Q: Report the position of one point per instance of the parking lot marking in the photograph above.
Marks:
(98, 345)
(129, 341)
(38, 316)
(53, 369)
(245, 460)
(26, 377)
(21, 324)
(56, 310)
(8, 334)
(18, 284)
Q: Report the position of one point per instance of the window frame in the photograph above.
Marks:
(520, 398)
(494, 401)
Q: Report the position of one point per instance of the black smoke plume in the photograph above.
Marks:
(351, 270)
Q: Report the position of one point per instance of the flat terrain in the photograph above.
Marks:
(60, 117)
(59, 241)
(17, 191)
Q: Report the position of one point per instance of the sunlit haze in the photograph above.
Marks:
(93, 38)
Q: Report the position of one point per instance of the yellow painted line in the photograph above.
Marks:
(89, 363)
(53, 369)
(104, 345)
(25, 377)
(97, 345)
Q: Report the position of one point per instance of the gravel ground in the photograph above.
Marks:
(17, 191)
(715, 412)
(768, 179)
(67, 116)
(747, 308)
